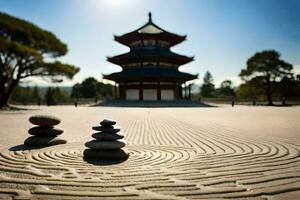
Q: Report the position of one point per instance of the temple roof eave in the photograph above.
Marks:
(150, 31)
(157, 74)
(154, 56)
(130, 37)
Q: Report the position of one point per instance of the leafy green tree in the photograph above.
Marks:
(22, 95)
(49, 96)
(36, 95)
(56, 96)
(298, 85)
(208, 88)
(226, 89)
(76, 91)
(89, 87)
(60, 96)
(105, 90)
(251, 90)
(269, 68)
(285, 88)
(27, 50)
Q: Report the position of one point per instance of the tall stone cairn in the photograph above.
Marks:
(44, 134)
(108, 142)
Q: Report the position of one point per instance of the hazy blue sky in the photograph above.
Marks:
(221, 34)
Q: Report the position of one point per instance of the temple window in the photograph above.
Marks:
(136, 44)
(149, 43)
(163, 44)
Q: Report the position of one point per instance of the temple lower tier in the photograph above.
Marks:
(152, 91)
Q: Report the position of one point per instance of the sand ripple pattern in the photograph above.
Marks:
(169, 159)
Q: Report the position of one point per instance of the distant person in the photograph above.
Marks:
(232, 103)
(76, 103)
(253, 103)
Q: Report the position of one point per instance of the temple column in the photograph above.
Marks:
(185, 95)
(141, 91)
(175, 90)
(124, 90)
(115, 91)
(120, 90)
(158, 91)
(189, 87)
(179, 91)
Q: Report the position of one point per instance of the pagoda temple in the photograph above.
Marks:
(150, 68)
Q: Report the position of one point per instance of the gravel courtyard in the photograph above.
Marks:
(175, 153)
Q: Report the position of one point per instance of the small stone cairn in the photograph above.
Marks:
(108, 142)
(44, 134)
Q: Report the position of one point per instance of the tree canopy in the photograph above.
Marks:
(27, 50)
(266, 67)
(208, 88)
(91, 88)
(226, 89)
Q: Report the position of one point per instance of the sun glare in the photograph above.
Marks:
(114, 4)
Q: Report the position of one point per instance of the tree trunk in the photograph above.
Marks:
(2, 103)
(5, 94)
(269, 93)
(3, 100)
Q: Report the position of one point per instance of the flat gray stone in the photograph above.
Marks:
(44, 120)
(108, 136)
(43, 141)
(45, 131)
(105, 145)
(107, 122)
(106, 154)
(112, 129)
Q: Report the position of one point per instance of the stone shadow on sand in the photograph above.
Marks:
(101, 162)
(22, 147)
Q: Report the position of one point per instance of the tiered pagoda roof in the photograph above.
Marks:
(150, 74)
(150, 31)
(150, 55)
(140, 54)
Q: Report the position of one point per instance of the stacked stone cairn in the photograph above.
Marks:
(108, 143)
(44, 134)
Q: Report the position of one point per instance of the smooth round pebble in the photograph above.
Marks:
(44, 120)
(98, 144)
(106, 155)
(45, 131)
(113, 129)
(108, 136)
(43, 141)
(108, 122)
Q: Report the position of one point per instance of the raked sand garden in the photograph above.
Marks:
(174, 153)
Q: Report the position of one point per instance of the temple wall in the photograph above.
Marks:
(149, 94)
(167, 95)
(132, 94)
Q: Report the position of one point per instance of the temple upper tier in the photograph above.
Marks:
(150, 68)
(150, 31)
